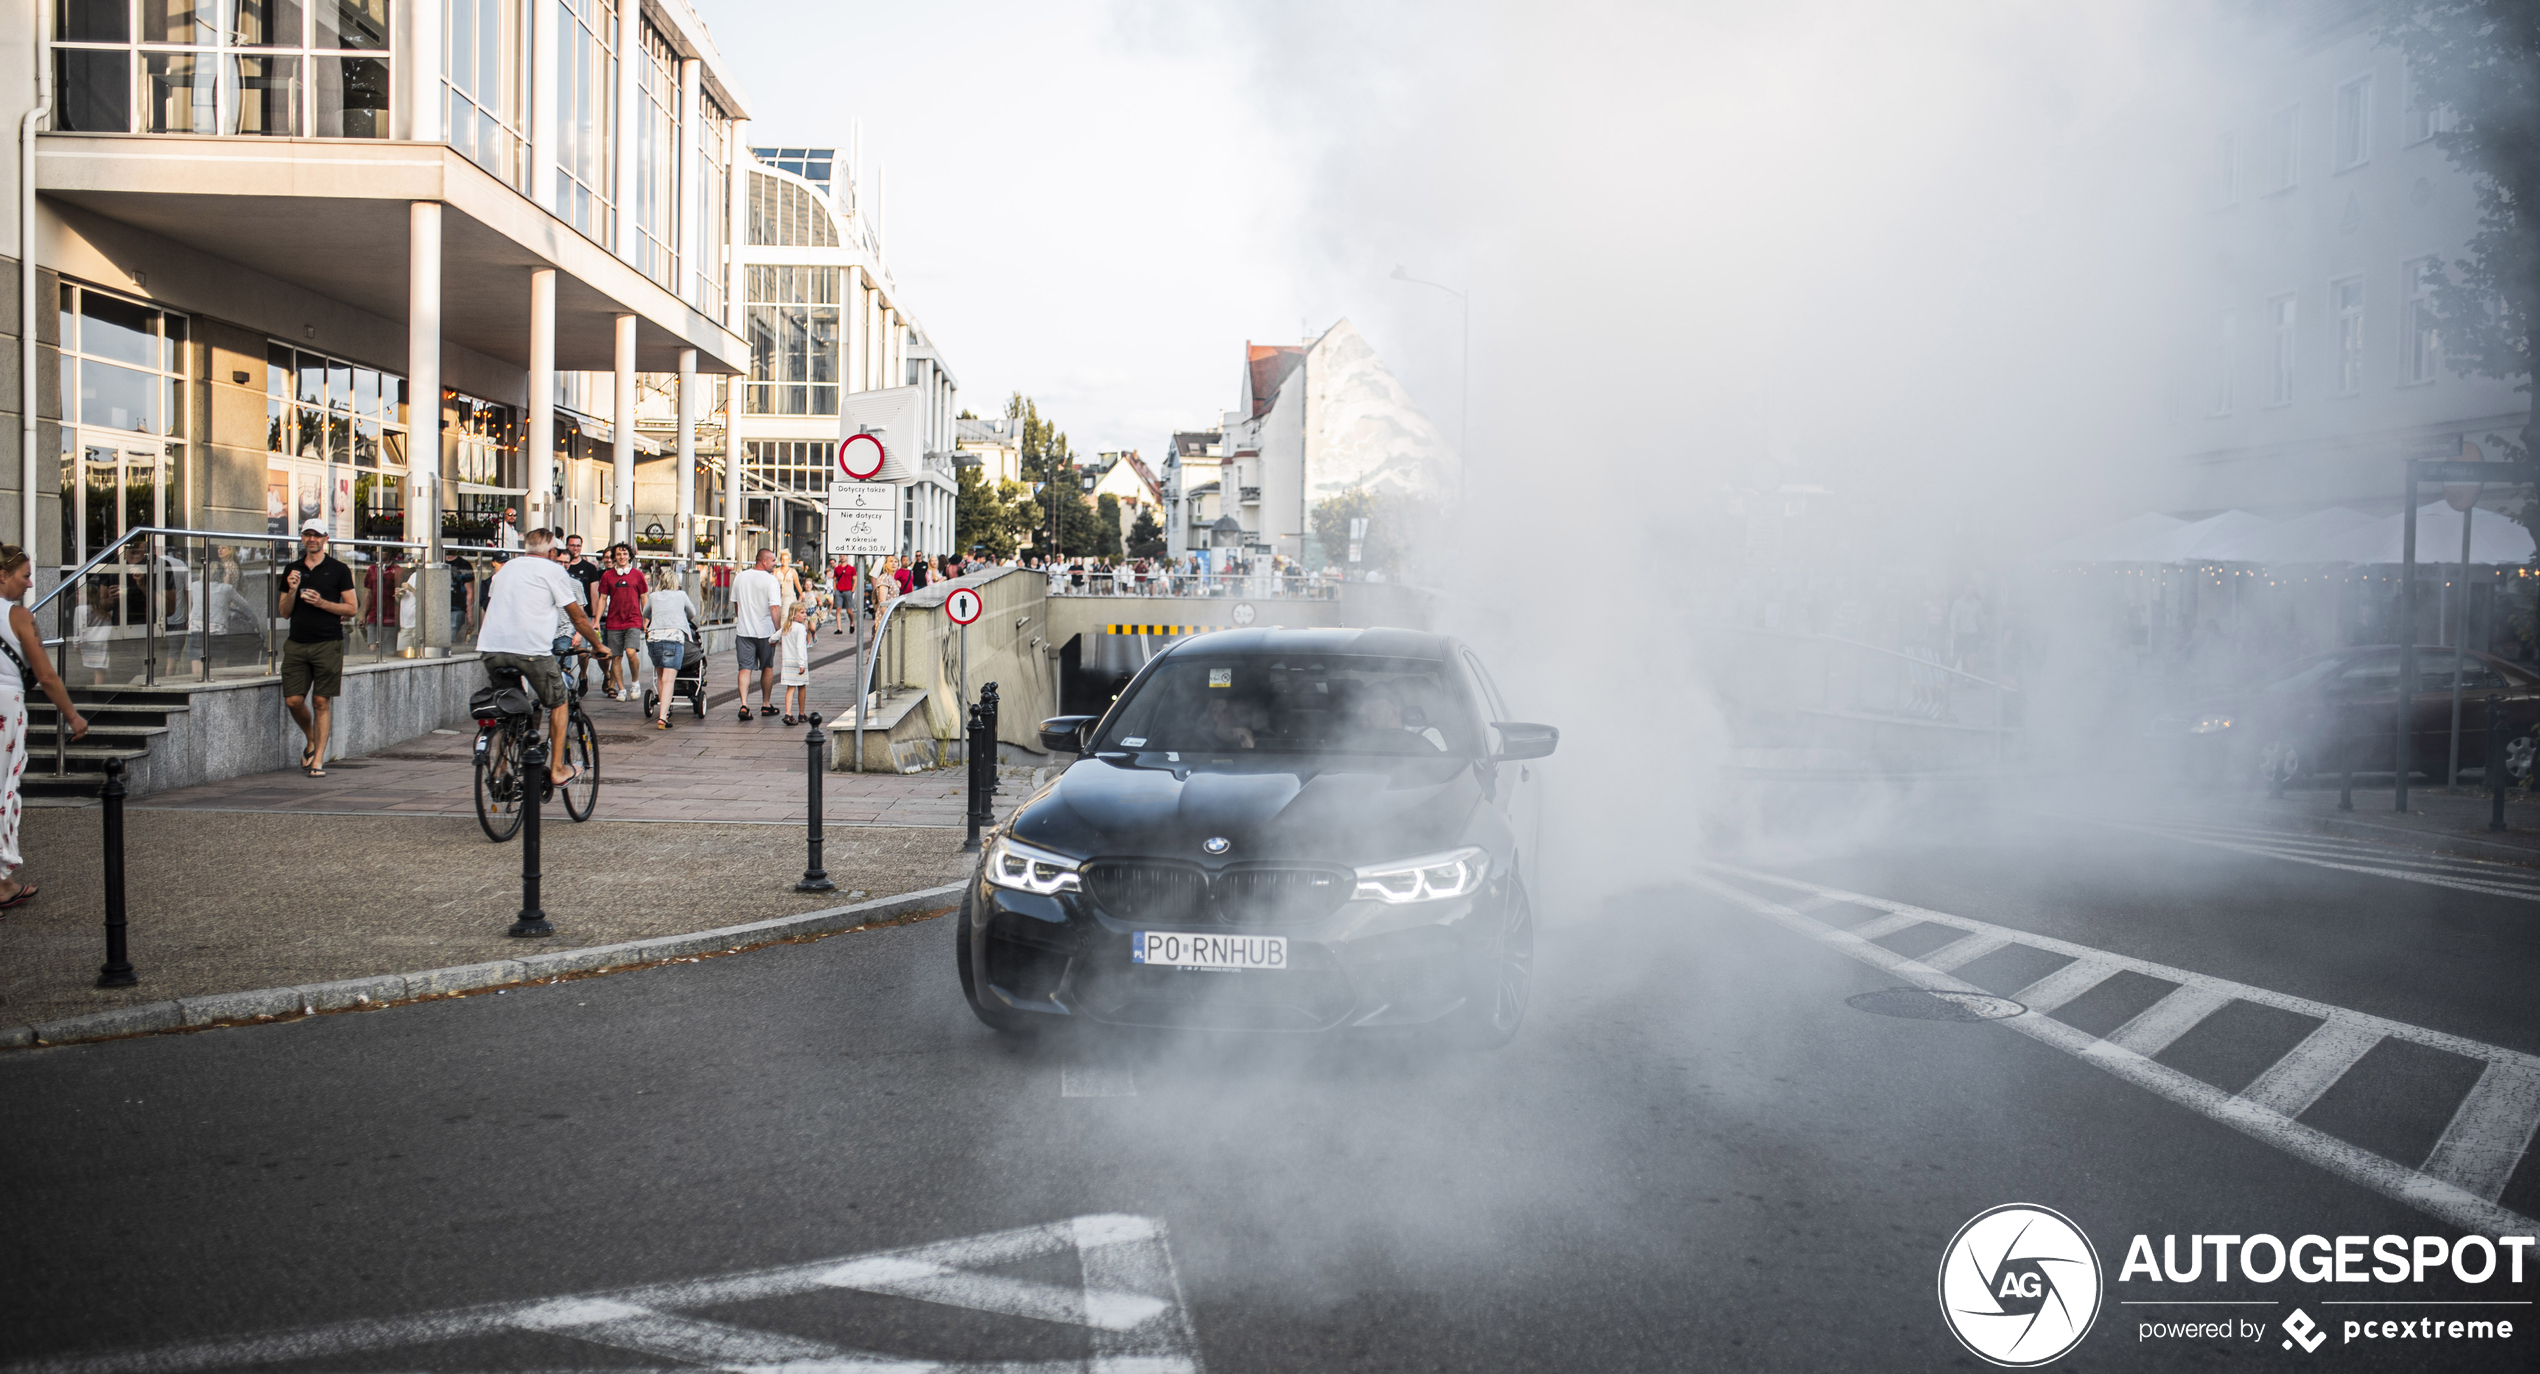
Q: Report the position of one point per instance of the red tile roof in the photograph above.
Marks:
(1271, 364)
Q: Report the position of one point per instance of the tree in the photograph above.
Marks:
(1146, 535)
(1395, 525)
(2479, 60)
(997, 519)
(1106, 534)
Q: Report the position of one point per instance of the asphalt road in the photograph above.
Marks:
(1696, 1154)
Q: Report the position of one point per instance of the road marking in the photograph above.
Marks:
(1130, 1299)
(2488, 1134)
(2482, 1139)
(1096, 1080)
(1883, 926)
(2065, 984)
(2291, 1084)
(2160, 1025)
(2378, 869)
(1959, 953)
(2290, 845)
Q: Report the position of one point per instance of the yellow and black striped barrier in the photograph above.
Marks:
(1167, 631)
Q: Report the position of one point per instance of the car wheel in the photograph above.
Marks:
(1495, 1005)
(2281, 763)
(2519, 752)
(1003, 1020)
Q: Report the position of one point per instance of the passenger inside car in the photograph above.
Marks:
(1385, 725)
(1222, 724)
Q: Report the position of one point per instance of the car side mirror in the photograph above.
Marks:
(1065, 734)
(1520, 740)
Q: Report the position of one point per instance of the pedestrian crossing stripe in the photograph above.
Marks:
(1167, 631)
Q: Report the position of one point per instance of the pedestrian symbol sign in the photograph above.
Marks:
(963, 606)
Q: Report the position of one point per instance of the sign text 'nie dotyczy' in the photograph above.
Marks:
(862, 516)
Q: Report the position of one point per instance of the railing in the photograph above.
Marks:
(1253, 586)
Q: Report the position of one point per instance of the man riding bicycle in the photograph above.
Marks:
(521, 608)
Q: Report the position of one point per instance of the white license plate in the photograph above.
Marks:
(1208, 951)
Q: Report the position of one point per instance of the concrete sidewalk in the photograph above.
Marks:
(238, 901)
(2450, 821)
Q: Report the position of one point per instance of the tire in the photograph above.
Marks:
(697, 699)
(1002, 1020)
(1495, 1005)
(652, 704)
(2282, 762)
(498, 788)
(582, 746)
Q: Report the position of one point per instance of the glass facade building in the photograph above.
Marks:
(278, 68)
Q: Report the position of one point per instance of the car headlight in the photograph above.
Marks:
(2206, 725)
(1456, 873)
(1024, 868)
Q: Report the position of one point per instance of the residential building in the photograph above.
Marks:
(833, 352)
(1125, 477)
(1190, 488)
(1314, 420)
(2314, 371)
(997, 444)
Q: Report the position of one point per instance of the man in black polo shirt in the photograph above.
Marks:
(587, 571)
(317, 593)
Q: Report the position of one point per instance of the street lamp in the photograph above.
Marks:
(1464, 384)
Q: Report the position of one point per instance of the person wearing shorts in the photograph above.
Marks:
(621, 591)
(523, 600)
(757, 598)
(317, 593)
(671, 620)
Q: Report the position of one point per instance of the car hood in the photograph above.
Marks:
(1347, 811)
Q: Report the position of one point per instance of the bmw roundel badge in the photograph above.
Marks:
(1216, 844)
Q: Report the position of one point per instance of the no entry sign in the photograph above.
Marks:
(860, 456)
(963, 606)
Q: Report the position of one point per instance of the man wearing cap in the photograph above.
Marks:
(317, 593)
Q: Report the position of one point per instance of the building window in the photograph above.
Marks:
(486, 60)
(2425, 341)
(2280, 316)
(784, 214)
(793, 333)
(123, 419)
(244, 67)
(656, 189)
(791, 464)
(2226, 357)
(2354, 123)
(811, 164)
(2284, 148)
(2425, 118)
(714, 138)
(586, 117)
(2348, 298)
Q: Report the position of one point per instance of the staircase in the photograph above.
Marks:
(121, 724)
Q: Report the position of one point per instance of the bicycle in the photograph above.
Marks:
(502, 753)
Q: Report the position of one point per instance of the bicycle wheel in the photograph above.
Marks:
(498, 787)
(582, 747)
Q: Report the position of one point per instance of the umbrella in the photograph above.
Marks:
(2287, 541)
(2493, 540)
(2123, 542)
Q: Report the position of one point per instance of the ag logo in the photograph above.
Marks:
(2019, 1285)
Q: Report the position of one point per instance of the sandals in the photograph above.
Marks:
(745, 713)
(314, 770)
(789, 720)
(25, 894)
(570, 778)
(661, 722)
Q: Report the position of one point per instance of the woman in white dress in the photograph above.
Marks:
(21, 658)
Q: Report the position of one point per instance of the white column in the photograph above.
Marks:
(736, 233)
(683, 525)
(423, 382)
(732, 468)
(629, 97)
(420, 98)
(692, 183)
(544, 107)
(539, 459)
(622, 431)
(851, 316)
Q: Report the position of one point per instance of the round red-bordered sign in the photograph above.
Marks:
(963, 606)
(860, 456)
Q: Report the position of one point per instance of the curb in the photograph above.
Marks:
(2437, 842)
(194, 1013)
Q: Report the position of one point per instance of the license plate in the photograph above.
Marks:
(1208, 951)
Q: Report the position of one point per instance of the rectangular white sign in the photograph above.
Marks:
(863, 519)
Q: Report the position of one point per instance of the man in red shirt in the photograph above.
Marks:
(622, 590)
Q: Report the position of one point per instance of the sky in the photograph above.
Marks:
(1091, 203)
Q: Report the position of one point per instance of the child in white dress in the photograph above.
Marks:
(793, 658)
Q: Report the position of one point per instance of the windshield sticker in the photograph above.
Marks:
(1135, 741)
(1221, 677)
(1171, 757)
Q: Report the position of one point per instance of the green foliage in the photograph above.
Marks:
(1107, 532)
(1146, 535)
(1395, 525)
(999, 519)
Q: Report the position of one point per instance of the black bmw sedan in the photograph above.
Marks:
(1280, 830)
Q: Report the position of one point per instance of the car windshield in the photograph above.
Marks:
(1203, 703)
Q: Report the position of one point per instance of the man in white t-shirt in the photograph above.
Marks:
(522, 606)
(757, 597)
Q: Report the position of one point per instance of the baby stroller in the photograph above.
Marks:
(689, 685)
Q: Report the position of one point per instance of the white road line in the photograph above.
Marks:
(1881, 926)
(2503, 874)
(2375, 870)
(2489, 1133)
(1131, 1297)
(2064, 984)
(1096, 1080)
(1959, 953)
(2291, 1084)
(2487, 876)
(2434, 1196)
(2159, 1025)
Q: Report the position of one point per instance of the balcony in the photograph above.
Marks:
(1251, 496)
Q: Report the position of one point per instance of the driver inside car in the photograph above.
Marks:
(1222, 724)
(1380, 720)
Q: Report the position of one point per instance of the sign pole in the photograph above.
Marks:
(862, 588)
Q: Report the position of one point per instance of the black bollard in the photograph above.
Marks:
(116, 972)
(533, 784)
(816, 751)
(2496, 761)
(977, 800)
(988, 722)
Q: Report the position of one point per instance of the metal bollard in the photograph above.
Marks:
(116, 972)
(988, 722)
(816, 759)
(2496, 761)
(533, 917)
(977, 801)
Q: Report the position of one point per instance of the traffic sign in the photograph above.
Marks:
(1243, 612)
(863, 519)
(963, 606)
(860, 457)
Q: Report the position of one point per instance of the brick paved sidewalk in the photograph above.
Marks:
(715, 769)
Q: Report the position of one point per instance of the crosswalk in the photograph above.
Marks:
(2460, 1180)
(2345, 855)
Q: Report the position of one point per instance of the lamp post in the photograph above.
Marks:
(1464, 383)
